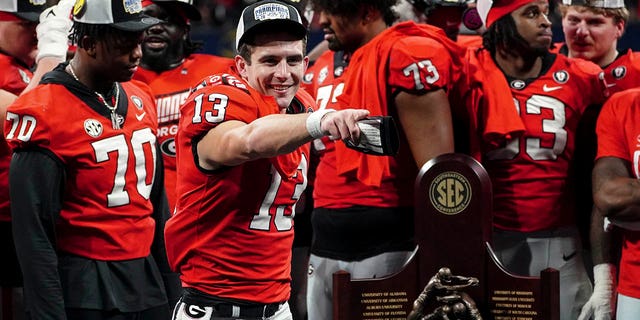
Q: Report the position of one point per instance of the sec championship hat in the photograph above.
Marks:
(491, 11)
(607, 4)
(21, 9)
(267, 14)
(124, 15)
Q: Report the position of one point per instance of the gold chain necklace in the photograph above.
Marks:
(115, 124)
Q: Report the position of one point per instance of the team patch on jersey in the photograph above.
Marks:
(24, 76)
(619, 72)
(93, 127)
(308, 77)
(517, 84)
(561, 76)
(450, 193)
(322, 75)
(168, 147)
(137, 102)
(338, 71)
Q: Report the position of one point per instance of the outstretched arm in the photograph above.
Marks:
(234, 142)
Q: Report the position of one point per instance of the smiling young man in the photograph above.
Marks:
(525, 138)
(242, 163)
(171, 68)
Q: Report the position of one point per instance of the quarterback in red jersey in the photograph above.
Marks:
(402, 71)
(87, 195)
(242, 155)
(171, 68)
(615, 185)
(524, 127)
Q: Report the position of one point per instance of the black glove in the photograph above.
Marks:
(378, 136)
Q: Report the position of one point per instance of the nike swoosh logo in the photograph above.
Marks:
(140, 116)
(609, 85)
(567, 257)
(549, 89)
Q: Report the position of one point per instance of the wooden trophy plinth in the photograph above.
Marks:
(453, 206)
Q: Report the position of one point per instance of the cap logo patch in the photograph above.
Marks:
(79, 8)
(271, 11)
(132, 6)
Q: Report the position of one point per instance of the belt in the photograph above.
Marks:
(252, 311)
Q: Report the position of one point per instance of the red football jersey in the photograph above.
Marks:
(623, 73)
(13, 78)
(232, 232)
(405, 57)
(171, 89)
(530, 171)
(618, 130)
(107, 212)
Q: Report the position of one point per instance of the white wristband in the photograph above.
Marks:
(313, 123)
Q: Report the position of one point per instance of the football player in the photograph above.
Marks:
(524, 122)
(21, 45)
(242, 159)
(615, 185)
(87, 195)
(363, 204)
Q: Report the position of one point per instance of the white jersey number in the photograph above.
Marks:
(413, 70)
(219, 109)
(262, 220)
(555, 126)
(118, 146)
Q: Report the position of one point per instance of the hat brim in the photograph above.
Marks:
(191, 12)
(140, 24)
(30, 16)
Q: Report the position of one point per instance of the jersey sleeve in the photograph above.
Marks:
(419, 64)
(218, 99)
(25, 124)
(610, 128)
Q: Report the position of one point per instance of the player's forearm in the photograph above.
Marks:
(600, 239)
(35, 204)
(234, 143)
(618, 196)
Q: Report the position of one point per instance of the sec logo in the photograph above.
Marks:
(450, 193)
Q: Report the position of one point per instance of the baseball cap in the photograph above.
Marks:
(24, 9)
(124, 15)
(267, 14)
(491, 11)
(607, 4)
(187, 7)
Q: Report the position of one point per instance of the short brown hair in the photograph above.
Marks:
(618, 14)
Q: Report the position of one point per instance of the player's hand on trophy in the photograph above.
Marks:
(53, 30)
(602, 302)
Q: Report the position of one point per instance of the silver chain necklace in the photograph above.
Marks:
(115, 124)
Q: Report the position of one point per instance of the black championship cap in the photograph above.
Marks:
(124, 15)
(266, 14)
(24, 9)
